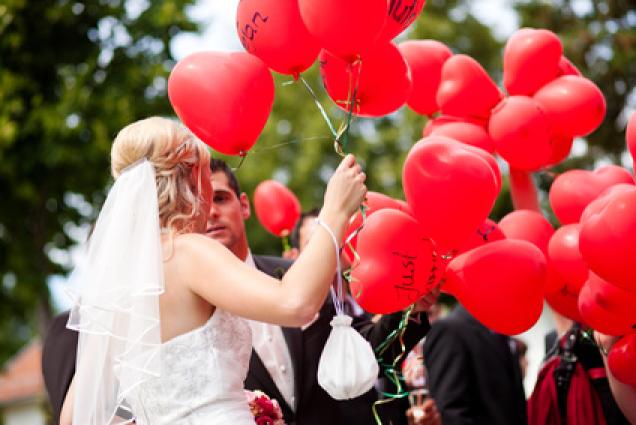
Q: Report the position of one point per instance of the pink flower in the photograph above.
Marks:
(266, 411)
(266, 405)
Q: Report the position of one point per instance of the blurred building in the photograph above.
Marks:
(22, 393)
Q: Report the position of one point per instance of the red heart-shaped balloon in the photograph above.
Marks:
(397, 263)
(489, 231)
(597, 205)
(567, 68)
(531, 59)
(575, 105)
(573, 190)
(466, 132)
(277, 208)
(606, 307)
(345, 28)
(527, 225)
(564, 255)
(373, 202)
(425, 59)
(381, 80)
(500, 283)
(213, 91)
(466, 89)
(630, 135)
(450, 188)
(564, 302)
(561, 147)
(520, 130)
(274, 31)
(607, 241)
(400, 16)
(622, 360)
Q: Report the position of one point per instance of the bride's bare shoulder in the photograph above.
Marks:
(191, 244)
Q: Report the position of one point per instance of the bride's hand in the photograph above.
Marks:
(346, 188)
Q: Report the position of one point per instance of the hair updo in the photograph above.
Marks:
(179, 159)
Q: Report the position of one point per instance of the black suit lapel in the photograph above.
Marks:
(263, 381)
(294, 340)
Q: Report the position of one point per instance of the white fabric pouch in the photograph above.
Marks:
(348, 367)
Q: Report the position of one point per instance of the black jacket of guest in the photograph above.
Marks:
(472, 373)
(313, 405)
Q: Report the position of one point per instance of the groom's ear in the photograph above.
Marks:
(246, 211)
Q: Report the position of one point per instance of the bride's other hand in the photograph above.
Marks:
(346, 188)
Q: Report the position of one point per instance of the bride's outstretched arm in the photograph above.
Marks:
(218, 276)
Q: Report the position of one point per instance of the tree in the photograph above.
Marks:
(71, 75)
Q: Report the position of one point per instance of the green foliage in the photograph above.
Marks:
(71, 75)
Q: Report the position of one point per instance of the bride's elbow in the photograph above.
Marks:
(300, 313)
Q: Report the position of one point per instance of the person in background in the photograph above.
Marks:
(522, 350)
(573, 386)
(473, 373)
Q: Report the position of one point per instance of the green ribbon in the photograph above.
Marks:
(285, 241)
(391, 370)
(320, 107)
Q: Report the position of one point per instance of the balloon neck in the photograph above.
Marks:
(296, 76)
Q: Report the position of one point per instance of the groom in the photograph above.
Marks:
(284, 361)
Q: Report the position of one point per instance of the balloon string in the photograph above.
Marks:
(240, 164)
(285, 241)
(320, 107)
(356, 257)
(342, 141)
(390, 369)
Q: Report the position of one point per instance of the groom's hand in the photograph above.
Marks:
(425, 303)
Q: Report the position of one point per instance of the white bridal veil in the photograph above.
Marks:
(116, 308)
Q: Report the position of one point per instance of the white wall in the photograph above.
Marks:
(534, 338)
(27, 414)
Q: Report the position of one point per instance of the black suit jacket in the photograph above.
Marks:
(58, 362)
(472, 373)
(313, 405)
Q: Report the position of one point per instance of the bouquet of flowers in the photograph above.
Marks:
(266, 410)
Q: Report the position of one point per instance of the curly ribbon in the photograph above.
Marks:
(391, 370)
(342, 141)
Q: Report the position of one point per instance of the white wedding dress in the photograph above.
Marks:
(202, 376)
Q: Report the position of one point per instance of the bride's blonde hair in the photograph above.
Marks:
(179, 159)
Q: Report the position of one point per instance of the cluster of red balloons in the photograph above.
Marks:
(592, 255)
(443, 233)
(547, 103)
(213, 91)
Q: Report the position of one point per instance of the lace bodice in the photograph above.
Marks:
(202, 377)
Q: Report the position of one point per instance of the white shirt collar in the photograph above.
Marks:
(249, 260)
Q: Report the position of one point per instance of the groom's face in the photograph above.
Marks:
(227, 215)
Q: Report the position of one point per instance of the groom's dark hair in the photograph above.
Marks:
(218, 165)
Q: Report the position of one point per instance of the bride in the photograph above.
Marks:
(160, 305)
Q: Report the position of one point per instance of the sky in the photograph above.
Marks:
(219, 33)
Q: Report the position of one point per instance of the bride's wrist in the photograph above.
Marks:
(337, 222)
